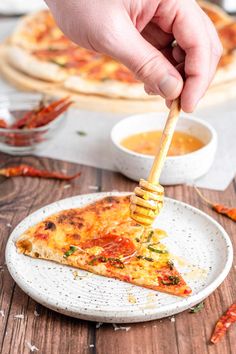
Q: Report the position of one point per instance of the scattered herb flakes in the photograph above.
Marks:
(149, 259)
(172, 280)
(115, 262)
(81, 133)
(150, 234)
(72, 250)
(156, 250)
(196, 308)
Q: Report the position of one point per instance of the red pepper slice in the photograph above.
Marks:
(224, 323)
(25, 170)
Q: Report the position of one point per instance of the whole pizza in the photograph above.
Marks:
(39, 49)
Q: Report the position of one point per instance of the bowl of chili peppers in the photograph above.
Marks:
(28, 122)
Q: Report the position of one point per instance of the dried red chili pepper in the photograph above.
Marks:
(43, 114)
(219, 208)
(3, 123)
(25, 170)
(224, 323)
(43, 118)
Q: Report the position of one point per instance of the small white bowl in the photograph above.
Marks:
(177, 169)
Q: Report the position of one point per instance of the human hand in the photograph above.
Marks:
(140, 33)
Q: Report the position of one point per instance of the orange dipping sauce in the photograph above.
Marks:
(147, 143)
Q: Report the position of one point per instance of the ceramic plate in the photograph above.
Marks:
(203, 255)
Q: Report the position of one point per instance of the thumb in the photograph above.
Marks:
(149, 65)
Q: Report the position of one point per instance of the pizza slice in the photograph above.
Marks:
(102, 239)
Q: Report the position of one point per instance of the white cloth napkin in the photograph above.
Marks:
(20, 7)
(86, 140)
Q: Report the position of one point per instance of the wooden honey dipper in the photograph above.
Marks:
(148, 197)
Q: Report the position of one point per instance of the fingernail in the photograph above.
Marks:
(168, 85)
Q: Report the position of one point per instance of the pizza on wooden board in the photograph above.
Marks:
(101, 238)
(38, 48)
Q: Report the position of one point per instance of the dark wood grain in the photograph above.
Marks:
(53, 333)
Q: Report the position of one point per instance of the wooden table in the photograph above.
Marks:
(53, 333)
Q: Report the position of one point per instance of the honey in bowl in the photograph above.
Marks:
(147, 143)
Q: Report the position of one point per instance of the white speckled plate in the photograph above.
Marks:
(203, 246)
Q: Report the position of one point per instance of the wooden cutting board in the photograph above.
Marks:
(216, 94)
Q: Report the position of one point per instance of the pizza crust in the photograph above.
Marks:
(218, 16)
(23, 61)
(108, 88)
(226, 72)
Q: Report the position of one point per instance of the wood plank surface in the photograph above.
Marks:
(53, 333)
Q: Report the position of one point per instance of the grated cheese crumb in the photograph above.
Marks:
(9, 225)
(21, 316)
(67, 186)
(2, 313)
(99, 324)
(75, 274)
(122, 328)
(31, 347)
(36, 313)
(93, 188)
(91, 345)
(172, 319)
(132, 299)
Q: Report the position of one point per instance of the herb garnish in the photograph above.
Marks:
(137, 239)
(72, 250)
(81, 133)
(150, 236)
(149, 259)
(173, 280)
(116, 262)
(57, 62)
(196, 308)
(153, 249)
